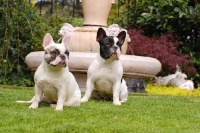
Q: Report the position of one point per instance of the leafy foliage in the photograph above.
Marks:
(171, 90)
(158, 17)
(22, 31)
(163, 48)
(118, 13)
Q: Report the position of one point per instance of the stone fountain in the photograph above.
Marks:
(83, 46)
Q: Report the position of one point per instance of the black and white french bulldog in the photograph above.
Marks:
(53, 81)
(104, 75)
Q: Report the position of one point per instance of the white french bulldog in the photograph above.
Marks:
(104, 75)
(53, 81)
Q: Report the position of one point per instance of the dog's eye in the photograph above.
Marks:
(53, 52)
(108, 43)
(119, 44)
(67, 52)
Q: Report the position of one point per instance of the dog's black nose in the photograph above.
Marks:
(62, 57)
(115, 48)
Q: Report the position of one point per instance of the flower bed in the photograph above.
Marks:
(171, 90)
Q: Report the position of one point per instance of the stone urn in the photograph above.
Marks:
(95, 14)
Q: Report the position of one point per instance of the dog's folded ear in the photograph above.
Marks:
(100, 34)
(66, 40)
(121, 36)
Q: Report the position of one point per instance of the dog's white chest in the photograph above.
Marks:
(49, 88)
(104, 78)
(104, 85)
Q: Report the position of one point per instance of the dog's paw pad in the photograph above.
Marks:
(53, 106)
(32, 107)
(117, 103)
(59, 109)
(84, 100)
(122, 101)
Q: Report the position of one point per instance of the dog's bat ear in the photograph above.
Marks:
(121, 36)
(100, 34)
(47, 40)
(66, 40)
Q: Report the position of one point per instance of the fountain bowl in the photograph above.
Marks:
(133, 66)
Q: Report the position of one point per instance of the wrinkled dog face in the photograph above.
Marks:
(110, 47)
(56, 55)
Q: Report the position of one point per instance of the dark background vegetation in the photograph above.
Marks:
(168, 30)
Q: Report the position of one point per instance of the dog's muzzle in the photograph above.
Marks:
(60, 61)
(115, 49)
(115, 53)
(62, 57)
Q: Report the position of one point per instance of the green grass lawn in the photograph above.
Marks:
(140, 114)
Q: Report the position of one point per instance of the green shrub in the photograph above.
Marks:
(22, 31)
(117, 14)
(163, 48)
(157, 17)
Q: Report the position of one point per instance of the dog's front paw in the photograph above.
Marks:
(59, 109)
(84, 99)
(123, 100)
(117, 103)
(56, 107)
(33, 106)
(53, 106)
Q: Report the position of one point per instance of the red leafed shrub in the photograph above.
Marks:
(163, 48)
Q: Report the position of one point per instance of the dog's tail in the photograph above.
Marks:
(43, 99)
(30, 101)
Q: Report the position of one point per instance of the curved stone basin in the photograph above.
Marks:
(134, 66)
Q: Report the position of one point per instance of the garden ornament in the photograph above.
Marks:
(178, 79)
(66, 30)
